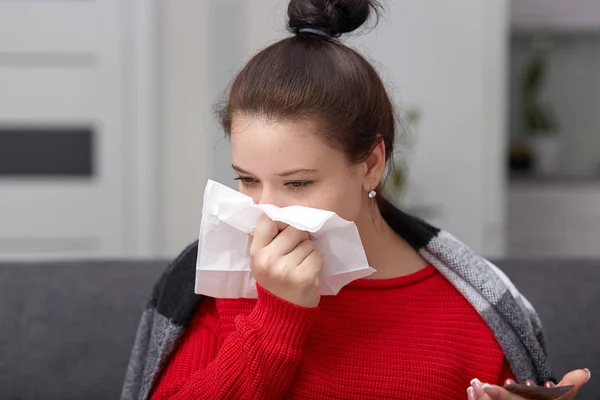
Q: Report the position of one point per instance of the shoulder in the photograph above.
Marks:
(173, 295)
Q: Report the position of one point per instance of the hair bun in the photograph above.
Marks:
(334, 17)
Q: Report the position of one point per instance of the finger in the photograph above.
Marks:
(310, 268)
(509, 382)
(497, 393)
(477, 387)
(299, 253)
(577, 378)
(471, 393)
(264, 232)
(549, 384)
(281, 225)
(287, 240)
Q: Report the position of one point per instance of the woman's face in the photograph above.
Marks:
(286, 163)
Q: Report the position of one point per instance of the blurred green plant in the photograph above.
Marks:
(539, 118)
(397, 174)
(398, 178)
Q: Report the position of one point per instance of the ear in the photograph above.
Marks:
(375, 164)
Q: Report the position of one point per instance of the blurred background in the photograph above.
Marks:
(107, 135)
(107, 139)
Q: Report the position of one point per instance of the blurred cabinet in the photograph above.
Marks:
(555, 15)
(554, 219)
(75, 127)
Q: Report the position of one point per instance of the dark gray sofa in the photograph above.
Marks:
(67, 328)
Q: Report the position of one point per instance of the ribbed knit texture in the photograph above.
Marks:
(413, 337)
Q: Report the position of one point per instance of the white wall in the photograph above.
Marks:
(186, 157)
(496, 77)
(448, 60)
(206, 43)
(251, 26)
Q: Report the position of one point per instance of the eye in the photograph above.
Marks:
(246, 181)
(298, 184)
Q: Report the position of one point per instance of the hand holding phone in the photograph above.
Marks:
(538, 392)
(567, 388)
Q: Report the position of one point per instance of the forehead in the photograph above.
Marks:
(260, 145)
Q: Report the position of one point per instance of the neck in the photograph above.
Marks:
(386, 251)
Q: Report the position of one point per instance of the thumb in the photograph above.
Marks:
(577, 378)
(281, 225)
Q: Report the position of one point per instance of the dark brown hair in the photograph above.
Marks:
(313, 75)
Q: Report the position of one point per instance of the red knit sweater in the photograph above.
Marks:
(413, 337)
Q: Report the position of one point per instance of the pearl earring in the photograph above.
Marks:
(372, 194)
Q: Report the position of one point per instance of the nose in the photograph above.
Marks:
(272, 196)
(265, 197)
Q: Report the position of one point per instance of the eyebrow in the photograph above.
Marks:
(283, 174)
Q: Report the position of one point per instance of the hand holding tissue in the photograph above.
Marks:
(223, 265)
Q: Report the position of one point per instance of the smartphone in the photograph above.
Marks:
(538, 392)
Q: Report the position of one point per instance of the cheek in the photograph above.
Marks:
(349, 206)
(344, 200)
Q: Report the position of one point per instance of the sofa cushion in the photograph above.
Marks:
(67, 328)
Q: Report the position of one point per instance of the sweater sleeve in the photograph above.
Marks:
(257, 361)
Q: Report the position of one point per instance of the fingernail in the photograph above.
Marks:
(476, 384)
(509, 382)
(589, 374)
(530, 383)
(490, 390)
(471, 393)
(549, 384)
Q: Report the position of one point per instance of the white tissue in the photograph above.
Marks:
(223, 266)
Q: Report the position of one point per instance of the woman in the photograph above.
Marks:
(310, 123)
